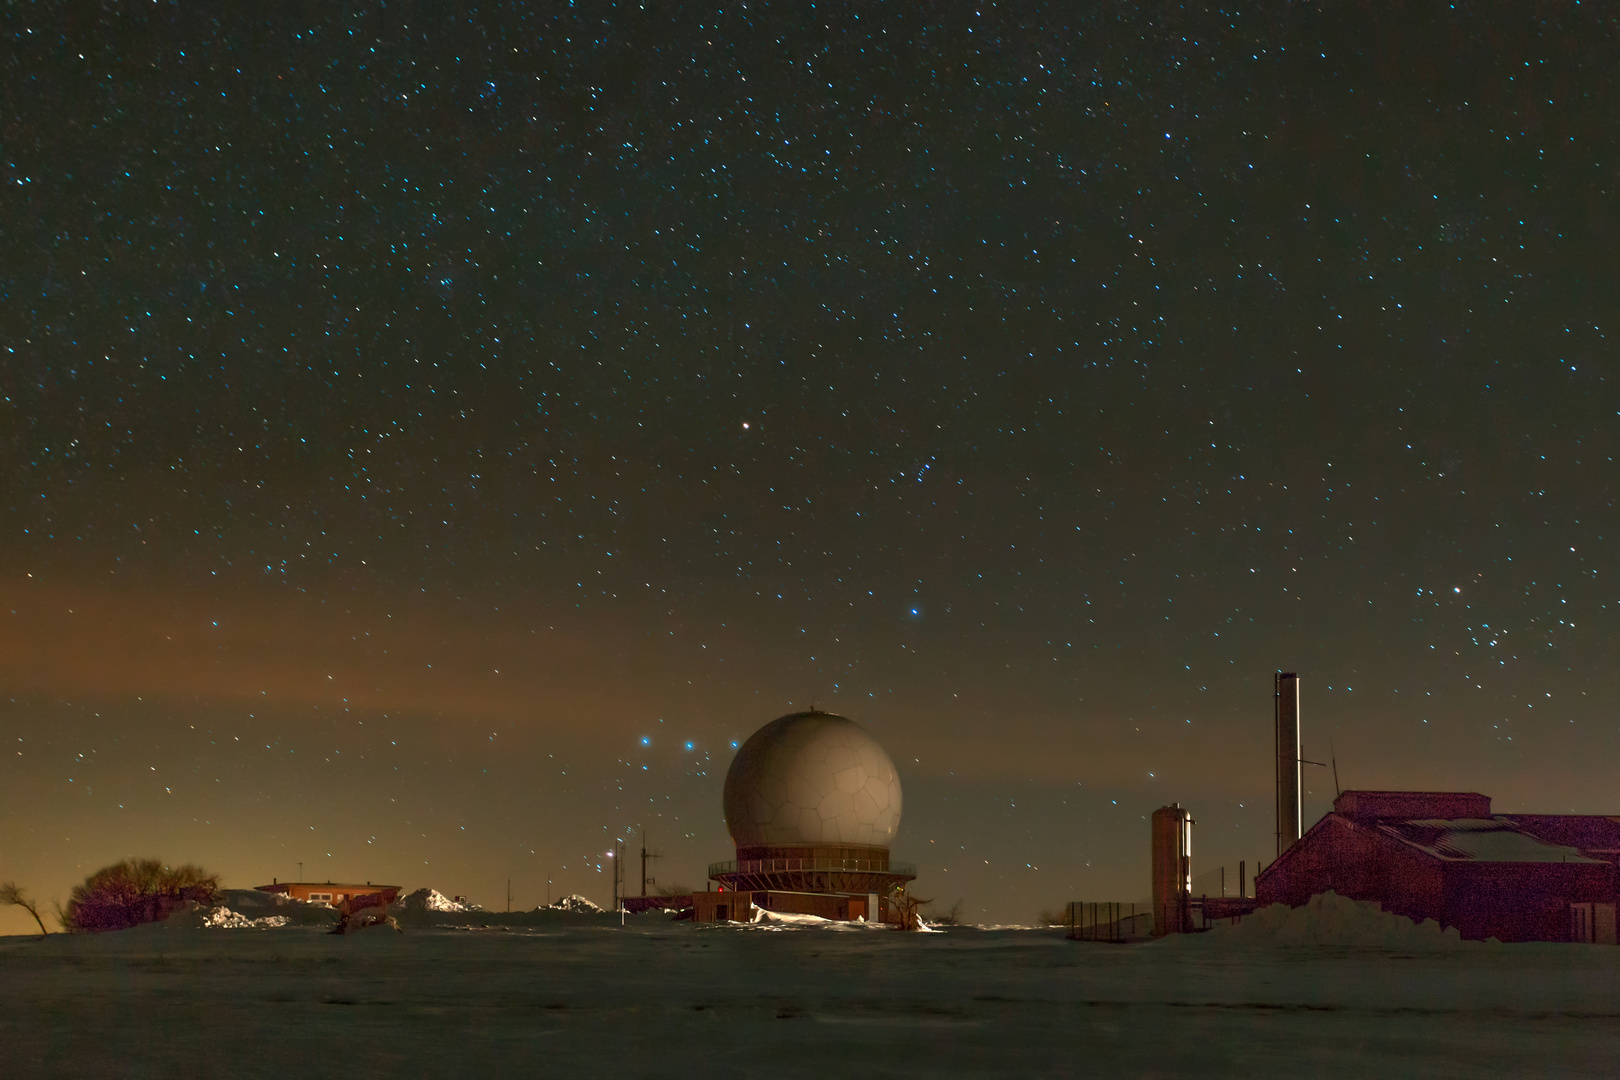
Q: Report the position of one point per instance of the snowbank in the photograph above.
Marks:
(257, 904)
(429, 907)
(255, 901)
(423, 901)
(788, 918)
(223, 918)
(575, 903)
(1333, 920)
(783, 919)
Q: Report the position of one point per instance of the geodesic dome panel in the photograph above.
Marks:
(812, 778)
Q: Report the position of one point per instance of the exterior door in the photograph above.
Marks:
(1591, 924)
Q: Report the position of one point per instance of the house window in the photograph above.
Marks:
(317, 897)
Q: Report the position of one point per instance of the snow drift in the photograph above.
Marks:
(783, 919)
(424, 901)
(575, 903)
(1331, 920)
(223, 918)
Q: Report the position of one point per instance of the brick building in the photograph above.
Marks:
(329, 892)
(1445, 856)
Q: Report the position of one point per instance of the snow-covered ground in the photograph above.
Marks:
(1336, 992)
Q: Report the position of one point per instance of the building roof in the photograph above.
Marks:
(346, 886)
(1594, 834)
(1406, 805)
(1495, 839)
(1457, 828)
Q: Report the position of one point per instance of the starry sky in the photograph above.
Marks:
(430, 442)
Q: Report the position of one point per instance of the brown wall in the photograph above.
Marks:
(1522, 901)
(1355, 861)
(707, 905)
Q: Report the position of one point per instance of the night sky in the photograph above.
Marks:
(429, 443)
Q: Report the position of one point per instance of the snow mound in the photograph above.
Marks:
(788, 918)
(223, 918)
(1334, 920)
(254, 901)
(425, 900)
(783, 919)
(575, 903)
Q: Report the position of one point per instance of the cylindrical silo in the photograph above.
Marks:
(1172, 870)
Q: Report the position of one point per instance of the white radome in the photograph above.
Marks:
(812, 778)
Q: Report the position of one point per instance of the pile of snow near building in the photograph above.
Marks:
(1329, 920)
(575, 903)
(423, 901)
(223, 918)
(782, 919)
(431, 907)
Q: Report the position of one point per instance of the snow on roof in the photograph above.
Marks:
(1487, 840)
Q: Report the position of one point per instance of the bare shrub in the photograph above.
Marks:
(134, 892)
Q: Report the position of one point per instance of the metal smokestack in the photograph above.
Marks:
(1288, 816)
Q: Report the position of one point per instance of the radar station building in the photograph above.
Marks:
(812, 802)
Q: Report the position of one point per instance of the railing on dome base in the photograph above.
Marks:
(813, 874)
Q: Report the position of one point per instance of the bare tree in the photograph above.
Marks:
(908, 906)
(12, 894)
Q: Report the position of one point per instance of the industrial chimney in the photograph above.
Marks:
(1288, 816)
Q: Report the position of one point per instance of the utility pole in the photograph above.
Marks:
(509, 895)
(645, 855)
